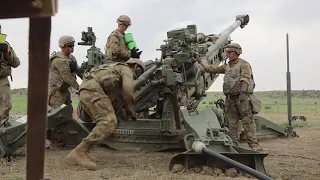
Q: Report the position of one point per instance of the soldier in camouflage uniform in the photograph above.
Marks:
(8, 60)
(116, 48)
(63, 71)
(238, 86)
(98, 95)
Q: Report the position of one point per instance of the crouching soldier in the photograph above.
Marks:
(98, 94)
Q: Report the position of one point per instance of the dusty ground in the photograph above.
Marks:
(297, 158)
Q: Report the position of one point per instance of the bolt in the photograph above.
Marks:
(37, 4)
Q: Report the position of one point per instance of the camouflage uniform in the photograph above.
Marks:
(116, 48)
(237, 103)
(99, 94)
(61, 77)
(8, 60)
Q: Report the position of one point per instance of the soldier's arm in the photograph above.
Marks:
(127, 84)
(63, 67)
(212, 68)
(12, 58)
(79, 72)
(216, 69)
(245, 75)
(114, 43)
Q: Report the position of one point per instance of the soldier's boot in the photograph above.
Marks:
(256, 147)
(236, 143)
(48, 144)
(79, 155)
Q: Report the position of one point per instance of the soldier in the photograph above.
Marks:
(116, 48)
(98, 94)
(63, 71)
(238, 87)
(8, 60)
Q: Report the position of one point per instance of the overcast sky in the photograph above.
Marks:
(263, 40)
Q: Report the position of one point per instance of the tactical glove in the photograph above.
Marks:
(3, 47)
(73, 66)
(135, 53)
(131, 114)
(121, 115)
(243, 96)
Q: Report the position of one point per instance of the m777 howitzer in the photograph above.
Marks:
(177, 81)
(174, 81)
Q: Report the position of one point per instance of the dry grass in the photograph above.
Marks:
(296, 158)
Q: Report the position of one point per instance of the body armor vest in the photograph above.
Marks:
(5, 69)
(122, 45)
(232, 84)
(108, 77)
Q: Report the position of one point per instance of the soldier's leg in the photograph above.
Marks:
(102, 111)
(68, 101)
(56, 98)
(232, 116)
(5, 102)
(248, 124)
(82, 113)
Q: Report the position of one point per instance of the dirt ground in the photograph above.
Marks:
(297, 158)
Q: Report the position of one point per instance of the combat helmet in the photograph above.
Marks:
(124, 19)
(65, 39)
(136, 61)
(234, 47)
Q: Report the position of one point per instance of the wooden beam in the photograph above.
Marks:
(39, 33)
(39, 12)
(28, 8)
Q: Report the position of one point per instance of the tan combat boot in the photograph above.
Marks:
(79, 155)
(256, 147)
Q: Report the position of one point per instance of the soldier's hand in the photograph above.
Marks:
(243, 96)
(135, 53)
(4, 47)
(131, 114)
(73, 66)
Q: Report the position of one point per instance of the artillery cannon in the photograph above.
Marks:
(173, 86)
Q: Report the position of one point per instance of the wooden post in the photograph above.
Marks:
(40, 29)
(39, 12)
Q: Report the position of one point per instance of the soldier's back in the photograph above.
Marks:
(107, 76)
(116, 49)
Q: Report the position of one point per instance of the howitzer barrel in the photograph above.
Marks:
(216, 49)
(148, 64)
(241, 20)
(145, 76)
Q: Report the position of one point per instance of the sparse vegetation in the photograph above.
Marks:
(274, 103)
(296, 124)
(281, 163)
